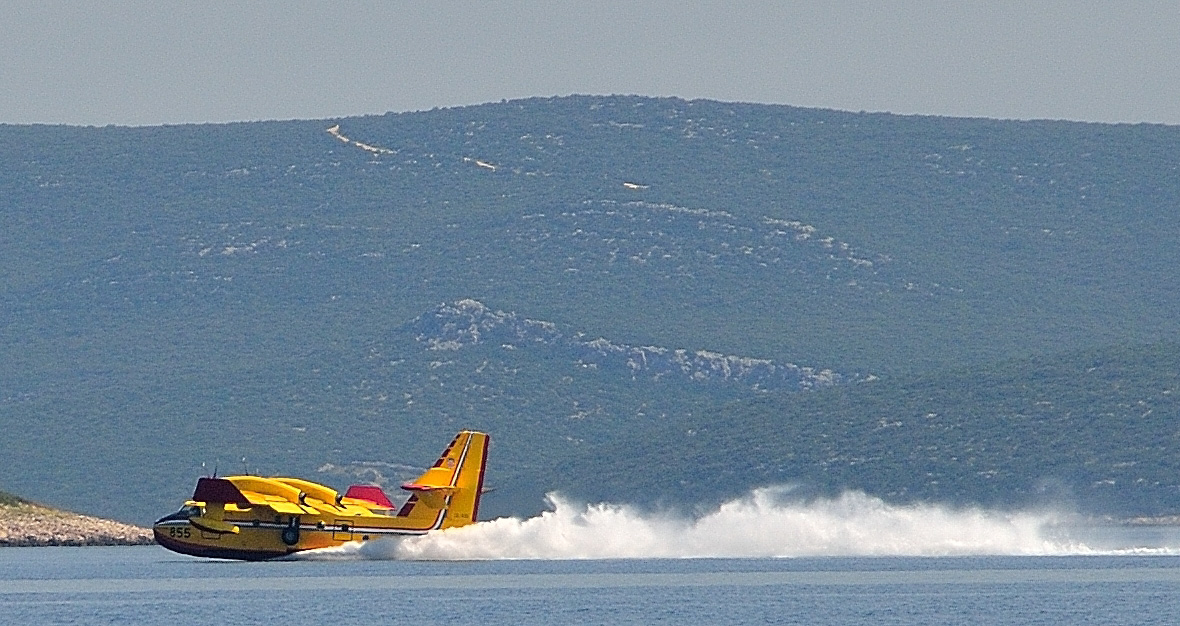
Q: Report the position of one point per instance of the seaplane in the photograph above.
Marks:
(255, 518)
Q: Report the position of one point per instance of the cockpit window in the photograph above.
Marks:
(191, 510)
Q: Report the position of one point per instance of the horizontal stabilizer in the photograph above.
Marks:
(418, 487)
(369, 493)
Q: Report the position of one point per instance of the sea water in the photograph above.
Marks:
(149, 585)
(762, 558)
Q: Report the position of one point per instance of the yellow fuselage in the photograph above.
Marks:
(260, 532)
(255, 517)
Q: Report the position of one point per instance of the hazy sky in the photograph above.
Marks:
(154, 62)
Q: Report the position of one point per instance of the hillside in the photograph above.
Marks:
(252, 294)
(1094, 431)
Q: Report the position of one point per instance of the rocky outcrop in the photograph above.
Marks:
(454, 326)
(26, 524)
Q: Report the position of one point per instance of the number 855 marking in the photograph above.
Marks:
(179, 532)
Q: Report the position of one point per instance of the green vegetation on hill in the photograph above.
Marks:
(174, 296)
(7, 499)
(1096, 430)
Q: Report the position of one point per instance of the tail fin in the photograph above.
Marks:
(447, 495)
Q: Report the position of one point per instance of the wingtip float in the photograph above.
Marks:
(255, 518)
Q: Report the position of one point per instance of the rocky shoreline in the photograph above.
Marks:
(26, 524)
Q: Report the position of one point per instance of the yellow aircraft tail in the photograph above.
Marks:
(447, 495)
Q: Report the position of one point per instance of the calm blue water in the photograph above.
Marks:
(148, 585)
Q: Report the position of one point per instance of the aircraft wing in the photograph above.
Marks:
(369, 496)
(224, 491)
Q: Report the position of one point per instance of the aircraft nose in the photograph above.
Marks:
(172, 517)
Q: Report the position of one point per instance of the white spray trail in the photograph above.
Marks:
(762, 524)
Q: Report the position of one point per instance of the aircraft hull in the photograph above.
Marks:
(211, 552)
(264, 540)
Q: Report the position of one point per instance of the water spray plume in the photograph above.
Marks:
(767, 522)
(759, 525)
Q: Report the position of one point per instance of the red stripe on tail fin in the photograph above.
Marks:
(408, 506)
